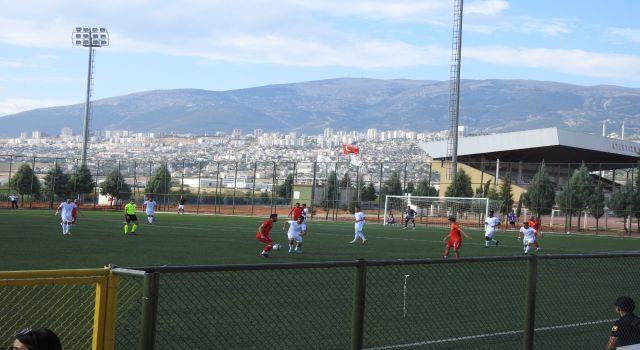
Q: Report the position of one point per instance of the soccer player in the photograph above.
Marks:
(14, 201)
(528, 236)
(511, 218)
(360, 221)
(74, 211)
(149, 208)
(390, 219)
(490, 225)
(181, 203)
(296, 211)
(455, 239)
(263, 234)
(305, 212)
(65, 209)
(409, 215)
(130, 217)
(297, 229)
(535, 224)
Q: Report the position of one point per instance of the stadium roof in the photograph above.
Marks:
(551, 145)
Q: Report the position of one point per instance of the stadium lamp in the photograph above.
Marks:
(90, 37)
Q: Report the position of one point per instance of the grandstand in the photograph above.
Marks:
(489, 156)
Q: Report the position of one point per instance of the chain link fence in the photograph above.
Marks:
(541, 302)
(330, 189)
(558, 302)
(72, 303)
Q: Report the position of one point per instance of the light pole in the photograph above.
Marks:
(90, 37)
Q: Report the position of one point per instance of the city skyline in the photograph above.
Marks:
(224, 46)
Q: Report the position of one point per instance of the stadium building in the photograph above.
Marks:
(490, 157)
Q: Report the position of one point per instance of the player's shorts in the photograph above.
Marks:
(359, 226)
(409, 218)
(180, 206)
(150, 213)
(527, 241)
(454, 243)
(512, 222)
(264, 239)
(66, 218)
(296, 237)
(131, 217)
(490, 234)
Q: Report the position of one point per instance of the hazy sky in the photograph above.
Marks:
(225, 45)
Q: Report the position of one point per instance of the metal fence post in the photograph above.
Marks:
(357, 340)
(150, 287)
(530, 307)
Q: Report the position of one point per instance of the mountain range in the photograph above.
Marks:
(348, 104)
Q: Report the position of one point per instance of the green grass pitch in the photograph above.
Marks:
(436, 306)
(32, 239)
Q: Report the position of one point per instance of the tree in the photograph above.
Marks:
(461, 186)
(346, 181)
(490, 191)
(620, 203)
(56, 183)
(368, 193)
(505, 194)
(286, 189)
(519, 208)
(411, 188)
(159, 183)
(425, 189)
(574, 198)
(392, 187)
(115, 186)
(329, 197)
(540, 195)
(596, 205)
(82, 181)
(25, 182)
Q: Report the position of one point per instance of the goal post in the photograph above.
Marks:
(435, 211)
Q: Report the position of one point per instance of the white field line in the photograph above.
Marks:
(496, 334)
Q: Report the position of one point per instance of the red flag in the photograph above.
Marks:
(346, 149)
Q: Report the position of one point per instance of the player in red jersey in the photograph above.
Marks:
(534, 223)
(74, 211)
(455, 239)
(263, 234)
(296, 211)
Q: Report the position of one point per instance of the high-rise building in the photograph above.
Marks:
(236, 133)
(36, 134)
(328, 132)
(372, 134)
(66, 133)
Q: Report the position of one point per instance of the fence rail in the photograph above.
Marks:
(551, 301)
(257, 188)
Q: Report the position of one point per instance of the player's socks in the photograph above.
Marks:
(133, 228)
(126, 229)
(526, 249)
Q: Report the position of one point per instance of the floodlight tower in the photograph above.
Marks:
(454, 91)
(90, 37)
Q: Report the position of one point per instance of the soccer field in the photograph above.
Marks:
(32, 239)
(442, 305)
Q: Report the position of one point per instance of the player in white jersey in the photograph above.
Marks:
(528, 236)
(305, 212)
(66, 214)
(490, 225)
(360, 221)
(149, 208)
(297, 229)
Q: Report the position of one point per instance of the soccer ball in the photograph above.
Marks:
(277, 246)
